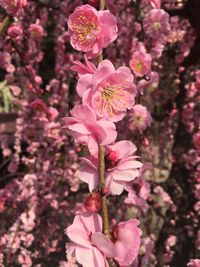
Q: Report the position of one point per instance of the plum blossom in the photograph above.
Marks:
(127, 238)
(139, 118)
(196, 140)
(108, 91)
(194, 263)
(14, 7)
(138, 193)
(156, 23)
(91, 30)
(140, 63)
(120, 169)
(36, 31)
(88, 130)
(88, 244)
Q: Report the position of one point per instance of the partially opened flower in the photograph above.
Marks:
(108, 91)
(156, 23)
(124, 169)
(88, 244)
(127, 238)
(86, 129)
(91, 30)
(121, 168)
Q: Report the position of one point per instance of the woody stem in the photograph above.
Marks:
(4, 25)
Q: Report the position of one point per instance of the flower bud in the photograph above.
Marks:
(113, 156)
(93, 202)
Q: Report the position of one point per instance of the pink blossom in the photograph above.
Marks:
(126, 238)
(36, 32)
(88, 243)
(126, 169)
(118, 173)
(156, 23)
(196, 140)
(24, 258)
(138, 193)
(140, 63)
(91, 30)
(88, 130)
(139, 118)
(15, 31)
(194, 263)
(108, 91)
(14, 7)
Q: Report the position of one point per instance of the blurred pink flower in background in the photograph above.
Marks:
(156, 23)
(140, 63)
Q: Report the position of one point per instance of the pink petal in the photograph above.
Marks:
(83, 113)
(84, 83)
(104, 244)
(125, 148)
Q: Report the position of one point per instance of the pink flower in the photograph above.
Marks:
(196, 140)
(127, 239)
(89, 245)
(15, 31)
(88, 130)
(194, 263)
(24, 258)
(156, 23)
(36, 32)
(140, 63)
(91, 30)
(118, 172)
(124, 170)
(140, 118)
(14, 7)
(108, 91)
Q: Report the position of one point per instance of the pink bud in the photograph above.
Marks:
(93, 202)
(38, 105)
(105, 191)
(113, 156)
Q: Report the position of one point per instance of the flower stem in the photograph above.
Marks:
(4, 24)
(102, 4)
(106, 228)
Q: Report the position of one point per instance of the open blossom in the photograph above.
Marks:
(121, 168)
(156, 23)
(140, 63)
(127, 239)
(108, 91)
(88, 130)
(140, 118)
(91, 30)
(88, 244)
